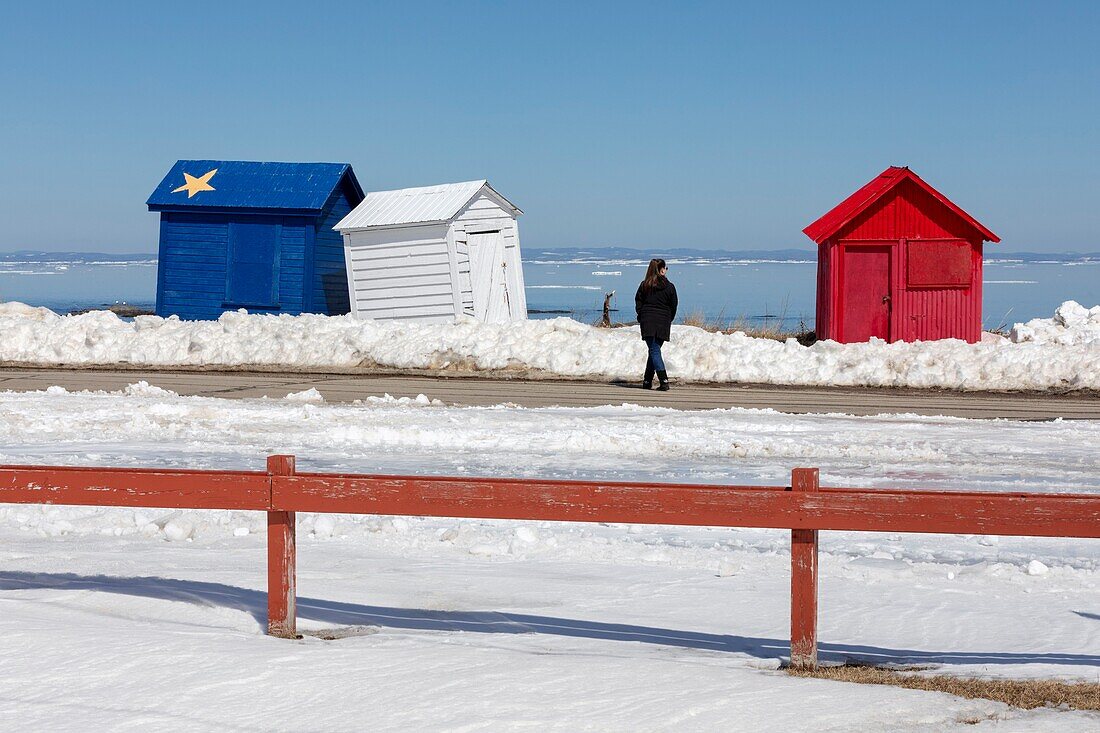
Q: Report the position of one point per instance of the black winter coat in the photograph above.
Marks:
(656, 308)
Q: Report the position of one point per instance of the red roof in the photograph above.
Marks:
(858, 202)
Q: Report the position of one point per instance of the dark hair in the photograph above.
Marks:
(653, 274)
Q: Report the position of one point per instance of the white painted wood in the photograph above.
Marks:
(452, 255)
(350, 270)
(411, 281)
(392, 293)
(470, 263)
(489, 270)
(515, 271)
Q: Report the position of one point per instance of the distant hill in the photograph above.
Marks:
(677, 254)
(564, 255)
(1042, 256)
(683, 254)
(30, 256)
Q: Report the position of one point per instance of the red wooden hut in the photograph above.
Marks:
(897, 260)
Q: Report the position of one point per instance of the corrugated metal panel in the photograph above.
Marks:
(839, 219)
(413, 205)
(233, 184)
(907, 211)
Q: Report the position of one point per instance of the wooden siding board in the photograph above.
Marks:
(328, 281)
(399, 269)
(484, 216)
(400, 265)
(409, 277)
(437, 307)
(394, 293)
(193, 255)
(192, 265)
(452, 274)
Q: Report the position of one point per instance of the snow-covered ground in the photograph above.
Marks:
(127, 619)
(1062, 352)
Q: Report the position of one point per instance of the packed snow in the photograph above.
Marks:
(1072, 325)
(490, 625)
(1062, 352)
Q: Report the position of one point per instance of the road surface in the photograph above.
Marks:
(465, 391)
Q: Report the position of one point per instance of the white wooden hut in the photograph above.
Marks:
(435, 252)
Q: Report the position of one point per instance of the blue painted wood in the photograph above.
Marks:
(236, 184)
(252, 268)
(329, 282)
(262, 239)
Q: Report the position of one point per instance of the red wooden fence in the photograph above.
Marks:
(804, 507)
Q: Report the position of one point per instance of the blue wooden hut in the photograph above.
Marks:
(259, 236)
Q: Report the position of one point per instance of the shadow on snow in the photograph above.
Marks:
(254, 602)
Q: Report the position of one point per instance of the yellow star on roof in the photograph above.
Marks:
(193, 185)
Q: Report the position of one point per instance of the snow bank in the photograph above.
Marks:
(447, 609)
(1058, 353)
(1072, 325)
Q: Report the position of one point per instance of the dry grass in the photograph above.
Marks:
(1025, 694)
(1002, 328)
(720, 324)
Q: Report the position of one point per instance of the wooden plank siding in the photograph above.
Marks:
(407, 253)
(483, 214)
(192, 266)
(261, 239)
(329, 282)
(400, 273)
(292, 265)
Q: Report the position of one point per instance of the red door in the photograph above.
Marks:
(865, 294)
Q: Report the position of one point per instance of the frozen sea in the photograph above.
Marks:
(722, 290)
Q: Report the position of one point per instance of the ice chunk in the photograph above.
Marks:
(306, 395)
(1036, 567)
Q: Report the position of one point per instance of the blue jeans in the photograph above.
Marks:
(655, 361)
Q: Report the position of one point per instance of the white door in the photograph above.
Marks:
(489, 277)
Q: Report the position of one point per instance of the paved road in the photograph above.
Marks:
(542, 393)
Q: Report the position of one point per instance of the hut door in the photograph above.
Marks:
(488, 271)
(865, 306)
(252, 266)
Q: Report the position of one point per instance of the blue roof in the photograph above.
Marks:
(235, 184)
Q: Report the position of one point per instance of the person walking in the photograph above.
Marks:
(655, 303)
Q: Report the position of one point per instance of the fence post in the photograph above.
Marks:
(282, 610)
(804, 581)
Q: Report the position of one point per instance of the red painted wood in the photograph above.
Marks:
(868, 510)
(136, 487)
(823, 325)
(872, 510)
(932, 297)
(866, 293)
(804, 580)
(282, 605)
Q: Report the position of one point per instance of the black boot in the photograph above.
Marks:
(647, 380)
(662, 375)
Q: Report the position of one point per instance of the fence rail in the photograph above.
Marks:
(804, 507)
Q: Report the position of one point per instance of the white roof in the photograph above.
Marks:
(416, 205)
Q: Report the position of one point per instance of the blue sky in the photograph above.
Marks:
(725, 125)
